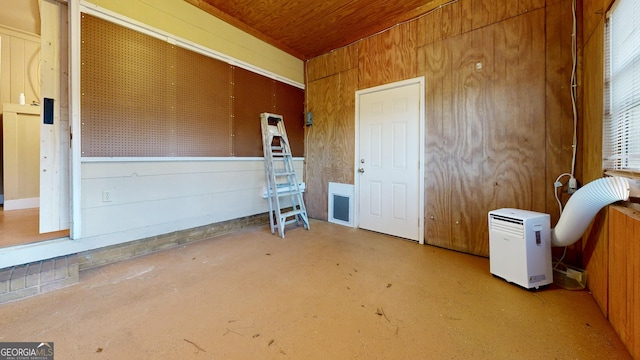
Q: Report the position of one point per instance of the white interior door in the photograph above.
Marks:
(389, 157)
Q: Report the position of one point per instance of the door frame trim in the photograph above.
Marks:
(421, 144)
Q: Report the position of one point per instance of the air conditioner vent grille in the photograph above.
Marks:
(507, 225)
(507, 219)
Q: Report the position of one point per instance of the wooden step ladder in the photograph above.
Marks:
(282, 182)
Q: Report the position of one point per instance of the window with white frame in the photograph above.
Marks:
(621, 131)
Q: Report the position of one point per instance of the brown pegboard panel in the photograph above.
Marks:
(203, 103)
(253, 94)
(290, 104)
(144, 97)
(124, 102)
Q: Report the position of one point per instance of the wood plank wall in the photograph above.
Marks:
(611, 252)
(624, 268)
(499, 124)
(595, 240)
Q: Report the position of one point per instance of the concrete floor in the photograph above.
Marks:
(329, 293)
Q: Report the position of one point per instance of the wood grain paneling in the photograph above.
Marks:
(593, 87)
(479, 13)
(611, 253)
(329, 142)
(440, 24)
(559, 112)
(624, 268)
(434, 61)
(593, 14)
(595, 241)
(388, 57)
(485, 112)
(468, 96)
(485, 127)
(595, 259)
(517, 165)
(333, 62)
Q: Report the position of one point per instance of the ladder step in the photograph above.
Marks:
(288, 193)
(293, 213)
(283, 173)
(287, 223)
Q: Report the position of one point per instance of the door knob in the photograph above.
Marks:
(361, 170)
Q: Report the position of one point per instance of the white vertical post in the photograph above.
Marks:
(74, 104)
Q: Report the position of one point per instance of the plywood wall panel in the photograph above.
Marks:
(451, 20)
(428, 28)
(320, 93)
(440, 24)
(480, 13)
(485, 112)
(618, 274)
(466, 15)
(329, 142)
(559, 113)
(434, 61)
(596, 239)
(624, 267)
(529, 5)
(593, 13)
(593, 87)
(333, 62)
(495, 101)
(347, 58)
(469, 120)
(519, 101)
(320, 67)
(595, 259)
(388, 57)
(345, 132)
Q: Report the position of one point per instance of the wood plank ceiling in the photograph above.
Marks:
(308, 28)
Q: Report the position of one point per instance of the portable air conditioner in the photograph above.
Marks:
(520, 247)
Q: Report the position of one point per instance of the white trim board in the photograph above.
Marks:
(19, 204)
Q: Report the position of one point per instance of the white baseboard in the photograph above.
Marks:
(19, 204)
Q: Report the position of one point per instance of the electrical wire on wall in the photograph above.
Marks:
(572, 183)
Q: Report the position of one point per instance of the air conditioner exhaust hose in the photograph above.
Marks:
(583, 206)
